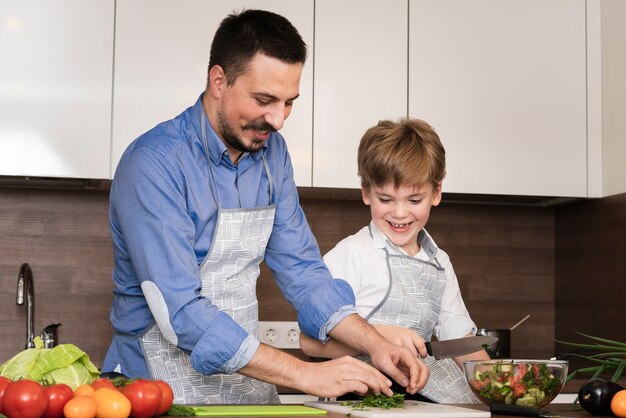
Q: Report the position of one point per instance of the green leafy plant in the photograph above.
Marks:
(378, 401)
(65, 363)
(606, 356)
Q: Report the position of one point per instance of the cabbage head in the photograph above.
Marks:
(64, 363)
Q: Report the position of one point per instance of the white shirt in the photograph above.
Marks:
(360, 259)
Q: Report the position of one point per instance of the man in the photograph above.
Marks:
(196, 204)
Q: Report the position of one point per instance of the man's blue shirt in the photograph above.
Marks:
(163, 213)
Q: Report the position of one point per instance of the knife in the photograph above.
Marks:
(459, 346)
(522, 411)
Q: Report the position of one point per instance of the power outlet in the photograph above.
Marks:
(280, 334)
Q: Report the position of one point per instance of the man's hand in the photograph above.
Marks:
(326, 379)
(399, 363)
(337, 377)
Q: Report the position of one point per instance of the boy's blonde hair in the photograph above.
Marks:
(407, 152)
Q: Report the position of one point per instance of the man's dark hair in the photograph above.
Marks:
(241, 36)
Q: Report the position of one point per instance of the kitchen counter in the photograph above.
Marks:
(562, 409)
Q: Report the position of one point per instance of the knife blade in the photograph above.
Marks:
(459, 346)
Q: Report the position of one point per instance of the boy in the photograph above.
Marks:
(404, 284)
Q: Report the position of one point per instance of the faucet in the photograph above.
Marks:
(25, 279)
(49, 335)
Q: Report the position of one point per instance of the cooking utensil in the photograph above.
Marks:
(459, 346)
(522, 411)
(412, 409)
(518, 324)
(501, 349)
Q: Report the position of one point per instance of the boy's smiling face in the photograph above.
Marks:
(401, 213)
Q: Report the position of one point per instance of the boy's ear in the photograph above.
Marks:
(365, 195)
(437, 192)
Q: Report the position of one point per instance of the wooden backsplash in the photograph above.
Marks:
(504, 257)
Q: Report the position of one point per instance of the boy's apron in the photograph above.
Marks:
(413, 301)
(228, 273)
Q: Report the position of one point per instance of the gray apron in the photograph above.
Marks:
(413, 301)
(228, 273)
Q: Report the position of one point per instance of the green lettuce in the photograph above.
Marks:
(64, 363)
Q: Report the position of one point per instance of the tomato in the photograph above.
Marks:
(84, 390)
(103, 382)
(518, 389)
(58, 395)
(4, 382)
(167, 397)
(618, 404)
(80, 406)
(145, 398)
(110, 403)
(24, 399)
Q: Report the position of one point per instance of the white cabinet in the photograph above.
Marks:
(504, 85)
(55, 88)
(360, 78)
(606, 83)
(161, 60)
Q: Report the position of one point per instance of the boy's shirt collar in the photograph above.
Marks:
(427, 244)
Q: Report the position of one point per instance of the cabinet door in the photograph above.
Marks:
(161, 59)
(503, 83)
(55, 88)
(360, 78)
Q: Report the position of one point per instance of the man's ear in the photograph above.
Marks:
(437, 194)
(217, 81)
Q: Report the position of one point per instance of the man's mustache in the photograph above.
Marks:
(260, 126)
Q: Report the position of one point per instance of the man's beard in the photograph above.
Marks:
(228, 133)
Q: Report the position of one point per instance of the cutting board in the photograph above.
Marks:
(240, 410)
(411, 409)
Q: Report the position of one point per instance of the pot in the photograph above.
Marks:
(501, 348)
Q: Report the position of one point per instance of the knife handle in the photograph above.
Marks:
(517, 410)
(429, 349)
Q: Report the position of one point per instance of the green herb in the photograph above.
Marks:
(180, 411)
(377, 401)
(609, 356)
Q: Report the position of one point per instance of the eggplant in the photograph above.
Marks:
(595, 396)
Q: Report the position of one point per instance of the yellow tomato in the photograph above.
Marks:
(111, 403)
(618, 404)
(80, 406)
(84, 390)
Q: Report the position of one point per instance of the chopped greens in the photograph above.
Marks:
(377, 401)
(524, 384)
(177, 410)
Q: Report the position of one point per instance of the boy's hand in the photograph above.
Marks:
(397, 362)
(404, 337)
(401, 365)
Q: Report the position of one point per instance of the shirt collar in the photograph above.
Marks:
(381, 241)
(217, 150)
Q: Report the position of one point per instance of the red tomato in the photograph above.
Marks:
(518, 389)
(4, 382)
(24, 399)
(145, 398)
(167, 397)
(58, 395)
(103, 382)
